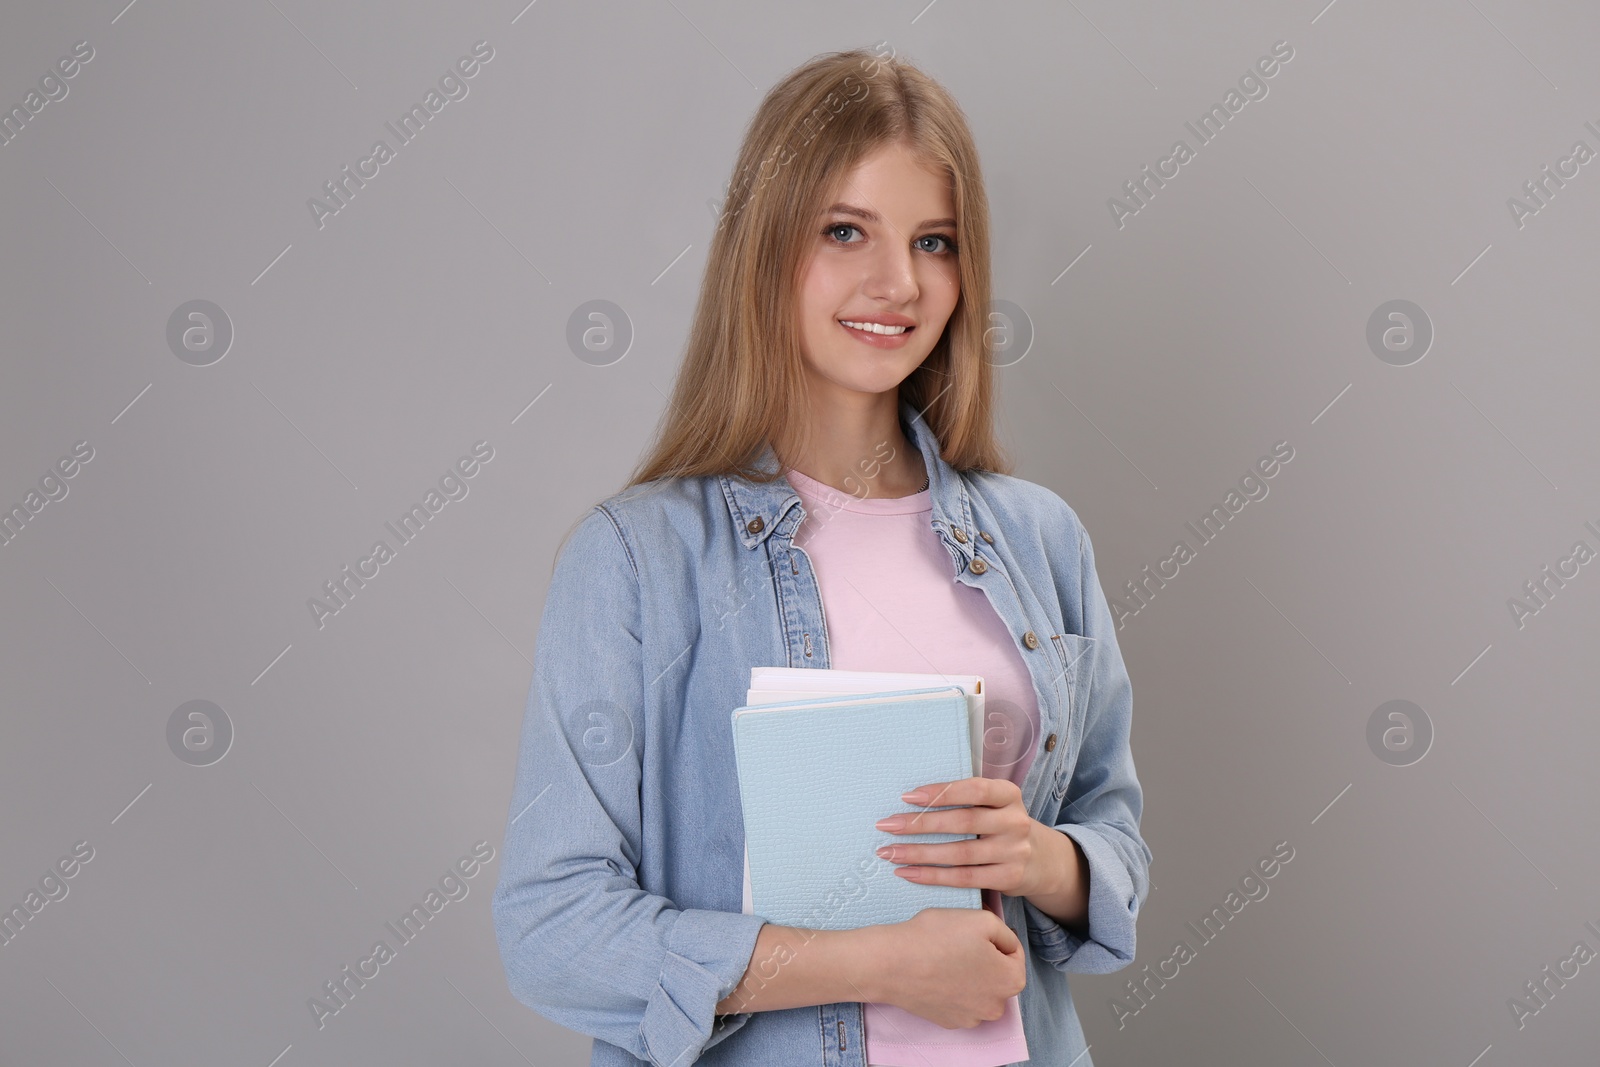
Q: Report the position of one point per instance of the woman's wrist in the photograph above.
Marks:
(866, 959)
(1065, 897)
(795, 967)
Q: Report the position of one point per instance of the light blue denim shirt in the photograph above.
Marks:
(618, 910)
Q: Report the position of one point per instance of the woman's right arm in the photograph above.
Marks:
(794, 967)
(582, 943)
(955, 966)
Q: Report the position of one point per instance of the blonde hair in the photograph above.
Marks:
(742, 384)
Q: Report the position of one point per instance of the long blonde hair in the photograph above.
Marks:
(742, 383)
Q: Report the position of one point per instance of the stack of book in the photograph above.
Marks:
(823, 755)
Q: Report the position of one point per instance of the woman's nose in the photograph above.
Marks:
(892, 277)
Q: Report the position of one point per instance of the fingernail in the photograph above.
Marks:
(916, 796)
(892, 822)
(885, 851)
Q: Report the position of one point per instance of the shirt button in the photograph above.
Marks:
(1030, 639)
(984, 534)
(1050, 743)
(755, 525)
(961, 535)
(978, 565)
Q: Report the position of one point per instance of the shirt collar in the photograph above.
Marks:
(757, 509)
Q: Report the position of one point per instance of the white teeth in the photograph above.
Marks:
(872, 327)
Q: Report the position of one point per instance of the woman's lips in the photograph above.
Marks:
(878, 340)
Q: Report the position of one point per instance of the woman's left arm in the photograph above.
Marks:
(1065, 896)
(1103, 803)
(1082, 875)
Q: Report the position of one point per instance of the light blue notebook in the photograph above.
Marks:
(816, 774)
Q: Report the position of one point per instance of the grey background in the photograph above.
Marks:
(431, 312)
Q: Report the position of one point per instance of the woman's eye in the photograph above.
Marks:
(946, 247)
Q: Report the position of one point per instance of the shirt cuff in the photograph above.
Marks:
(1113, 910)
(707, 955)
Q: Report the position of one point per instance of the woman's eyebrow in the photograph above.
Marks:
(872, 216)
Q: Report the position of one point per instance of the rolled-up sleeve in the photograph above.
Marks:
(582, 943)
(1103, 803)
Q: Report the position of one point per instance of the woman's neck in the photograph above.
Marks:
(864, 452)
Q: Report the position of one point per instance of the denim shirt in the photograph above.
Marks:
(618, 908)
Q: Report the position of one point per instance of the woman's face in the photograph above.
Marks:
(883, 251)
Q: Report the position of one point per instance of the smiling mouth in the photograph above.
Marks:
(873, 327)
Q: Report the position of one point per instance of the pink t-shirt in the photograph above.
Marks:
(891, 603)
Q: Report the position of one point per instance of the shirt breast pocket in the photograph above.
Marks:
(1076, 655)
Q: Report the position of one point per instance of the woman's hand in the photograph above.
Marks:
(957, 967)
(1008, 854)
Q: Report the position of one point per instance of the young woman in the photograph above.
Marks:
(826, 491)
